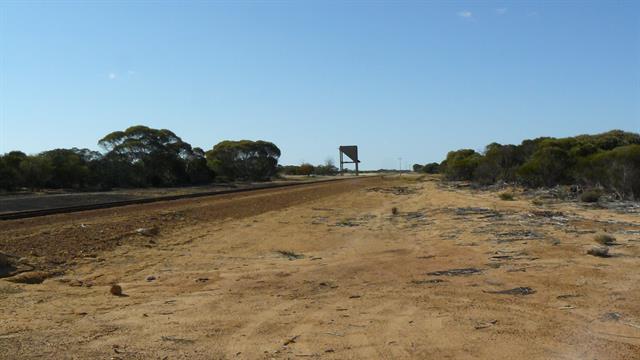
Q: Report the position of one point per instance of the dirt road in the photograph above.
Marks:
(328, 272)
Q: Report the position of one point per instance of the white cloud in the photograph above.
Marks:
(501, 11)
(112, 76)
(465, 14)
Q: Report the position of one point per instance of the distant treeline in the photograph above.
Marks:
(609, 160)
(328, 168)
(139, 157)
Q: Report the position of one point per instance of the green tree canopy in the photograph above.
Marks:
(156, 156)
(68, 168)
(244, 159)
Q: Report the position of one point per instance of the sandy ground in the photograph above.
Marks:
(328, 272)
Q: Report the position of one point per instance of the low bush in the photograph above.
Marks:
(537, 202)
(605, 239)
(599, 251)
(430, 168)
(590, 196)
(507, 196)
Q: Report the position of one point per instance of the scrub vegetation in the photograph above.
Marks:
(610, 161)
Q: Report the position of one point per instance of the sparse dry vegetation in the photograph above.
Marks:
(590, 196)
(291, 255)
(605, 239)
(507, 196)
(599, 251)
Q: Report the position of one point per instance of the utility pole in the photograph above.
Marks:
(400, 165)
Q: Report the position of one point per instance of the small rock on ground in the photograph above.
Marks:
(116, 290)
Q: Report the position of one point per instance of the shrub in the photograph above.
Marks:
(4, 261)
(590, 196)
(600, 251)
(499, 162)
(605, 239)
(506, 196)
(328, 168)
(431, 168)
(617, 169)
(547, 167)
(306, 169)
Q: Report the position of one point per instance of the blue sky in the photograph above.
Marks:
(400, 79)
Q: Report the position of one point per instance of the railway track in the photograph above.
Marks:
(111, 204)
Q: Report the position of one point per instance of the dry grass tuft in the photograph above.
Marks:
(605, 239)
(599, 251)
(290, 254)
(537, 202)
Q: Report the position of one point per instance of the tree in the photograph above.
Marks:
(10, 175)
(244, 160)
(288, 169)
(197, 169)
(306, 169)
(327, 169)
(68, 168)
(499, 162)
(431, 168)
(35, 171)
(160, 155)
(461, 164)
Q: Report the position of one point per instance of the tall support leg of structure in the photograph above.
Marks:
(357, 172)
(341, 164)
